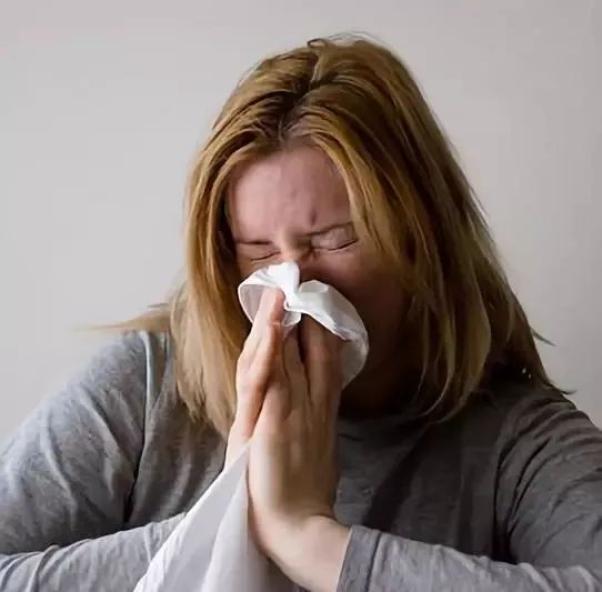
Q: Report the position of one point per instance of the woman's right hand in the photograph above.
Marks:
(253, 369)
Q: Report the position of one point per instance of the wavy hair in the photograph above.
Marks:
(353, 98)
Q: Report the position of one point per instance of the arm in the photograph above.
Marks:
(549, 507)
(66, 476)
(114, 562)
(378, 561)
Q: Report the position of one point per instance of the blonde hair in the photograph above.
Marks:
(410, 202)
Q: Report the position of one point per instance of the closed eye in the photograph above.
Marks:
(262, 258)
(319, 249)
(337, 248)
(336, 239)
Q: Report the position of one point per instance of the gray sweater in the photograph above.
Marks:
(506, 496)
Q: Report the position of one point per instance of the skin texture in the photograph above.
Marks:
(289, 391)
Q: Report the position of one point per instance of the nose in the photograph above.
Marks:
(303, 256)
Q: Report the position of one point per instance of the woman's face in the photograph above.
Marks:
(293, 206)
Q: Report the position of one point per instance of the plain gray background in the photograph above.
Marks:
(103, 105)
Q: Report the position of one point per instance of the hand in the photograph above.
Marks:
(292, 470)
(290, 407)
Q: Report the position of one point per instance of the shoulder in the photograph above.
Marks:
(549, 481)
(523, 408)
(128, 352)
(510, 421)
(129, 364)
(114, 389)
(528, 427)
(66, 469)
(512, 406)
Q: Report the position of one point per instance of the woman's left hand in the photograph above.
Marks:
(292, 466)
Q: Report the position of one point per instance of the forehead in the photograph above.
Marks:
(293, 191)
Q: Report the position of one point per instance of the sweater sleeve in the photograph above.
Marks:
(549, 513)
(66, 476)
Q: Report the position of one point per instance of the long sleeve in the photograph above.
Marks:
(66, 477)
(379, 562)
(549, 514)
(114, 562)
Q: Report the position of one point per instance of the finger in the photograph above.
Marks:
(295, 369)
(270, 310)
(277, 402)
(323, 365)
(251, 385)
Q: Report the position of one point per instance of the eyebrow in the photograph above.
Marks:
(314, 233)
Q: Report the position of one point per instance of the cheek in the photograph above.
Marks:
(246, 267)
(377, 296)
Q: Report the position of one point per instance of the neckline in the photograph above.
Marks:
(382, 426)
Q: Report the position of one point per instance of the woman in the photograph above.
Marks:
(450, 462)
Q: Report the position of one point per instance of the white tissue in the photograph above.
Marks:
(316, 299)
(211, 549)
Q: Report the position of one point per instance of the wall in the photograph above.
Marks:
(103, 105)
